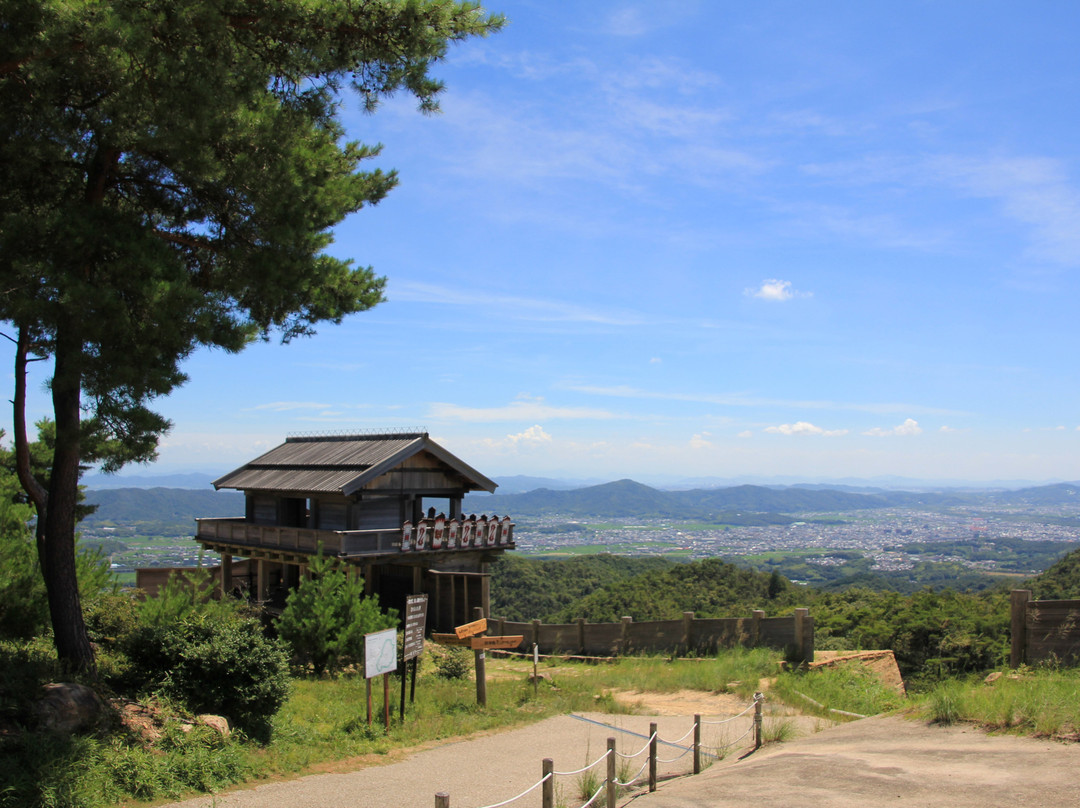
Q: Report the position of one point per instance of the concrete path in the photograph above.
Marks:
(873, 761)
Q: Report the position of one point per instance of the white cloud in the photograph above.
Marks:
(701, 441)
(533, 436)
(909, 427)
(777, 290)
(746, 433)
(804, 428)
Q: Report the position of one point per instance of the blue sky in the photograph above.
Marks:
(692, 239)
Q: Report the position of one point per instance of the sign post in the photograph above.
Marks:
(413, 644)
(479, 660)
(380, 656)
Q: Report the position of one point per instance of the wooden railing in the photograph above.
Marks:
(690, 635)
(429, 535)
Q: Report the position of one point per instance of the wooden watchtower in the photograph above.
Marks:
(388, 505)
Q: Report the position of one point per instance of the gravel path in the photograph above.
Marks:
(879, 760)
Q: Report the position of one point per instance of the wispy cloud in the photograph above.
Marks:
(804, 428)
(513, 307)
(288, 406)
(535, 410)
(908, 428)
(532, 437)
(744, 400)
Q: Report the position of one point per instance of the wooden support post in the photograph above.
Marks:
(1018, 602)
(263, 587)
(624, 641)
(386, 699)
(225, 580)
(485, 589)
(547, 790)
(687, 632)
(697, 744)
(417, 581)
(611, 773)
(759, 700)
(480, 661)
(756, 617)
(536, 634)
(652, 756)
(369, 582)
(442, 799)
(580, 635)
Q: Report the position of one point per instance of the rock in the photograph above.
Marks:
(992, 677)
(218, 723)
(68, 707)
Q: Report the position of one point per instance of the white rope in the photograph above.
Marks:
(533, 787)
(727, 720)
(645, 748)
(592, 799)
(586, 768)
(689, 732)
(672, 760)
(729, 744)
(635, 777)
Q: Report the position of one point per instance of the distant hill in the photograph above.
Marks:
(178, 505)
(194, 480)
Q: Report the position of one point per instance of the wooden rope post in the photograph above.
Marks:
(611, 773)
(697, 744)
(758, 701)
(547, 790)
(652, 757)
(1018, 602)
(442, 799)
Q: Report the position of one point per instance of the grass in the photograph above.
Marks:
(850, 688)
(1038, 702)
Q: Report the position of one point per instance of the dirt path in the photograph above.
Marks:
(880, 760)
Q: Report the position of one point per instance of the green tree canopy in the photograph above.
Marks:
(170, 172)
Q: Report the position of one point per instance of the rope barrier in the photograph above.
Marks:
(635, 777)
(685, 752)
(586, 768)
(645, 748)
(729, 720)
(533, 787)
(592, 799)
(680, 740)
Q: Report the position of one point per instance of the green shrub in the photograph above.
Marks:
(326, 617)
(453, 663)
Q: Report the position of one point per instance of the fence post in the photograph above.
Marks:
(536, 633)
(479, 659)
(581, 635)
(756, 617)
(610, 773)
(800, 635)
(697, 744)
(758, 700)
(1018, 602)
(547, 790)
(624, 644)
(442, 799)
(652, 757)
(687, 631)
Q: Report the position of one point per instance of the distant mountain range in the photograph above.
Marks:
(741, 504)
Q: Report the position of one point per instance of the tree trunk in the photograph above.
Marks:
(69, 630)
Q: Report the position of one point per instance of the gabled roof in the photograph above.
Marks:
(341, 464)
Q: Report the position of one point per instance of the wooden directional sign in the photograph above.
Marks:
(471, 629)
(449, 639)
(507, 641)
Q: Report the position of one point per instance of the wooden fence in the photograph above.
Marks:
(1044, 630)
(689, 635)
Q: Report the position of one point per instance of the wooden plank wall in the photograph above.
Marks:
(1044, 630)
(794, 635)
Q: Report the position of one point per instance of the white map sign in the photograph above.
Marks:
(380, 653)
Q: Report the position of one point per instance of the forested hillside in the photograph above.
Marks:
(129, 505)
(1060, 582)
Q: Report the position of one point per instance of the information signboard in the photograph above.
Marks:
(415, 623)
(380, 652)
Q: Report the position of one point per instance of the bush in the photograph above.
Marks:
(326, 617)
(454, 663)
(213, 663)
